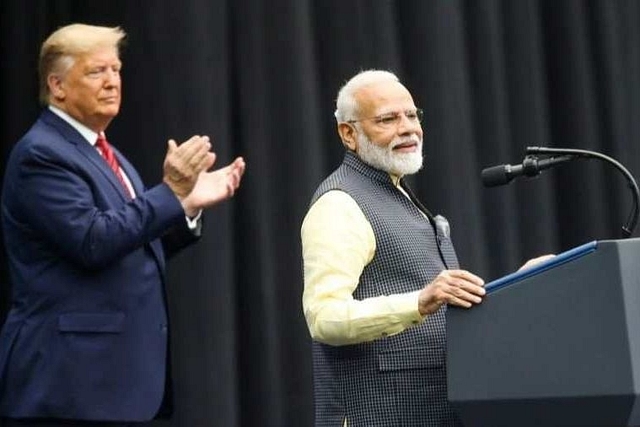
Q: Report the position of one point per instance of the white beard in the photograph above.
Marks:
(384, 158)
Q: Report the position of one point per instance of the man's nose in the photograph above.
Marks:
(112, 77)
(408, 125)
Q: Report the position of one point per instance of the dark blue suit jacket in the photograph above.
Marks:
(86, 335)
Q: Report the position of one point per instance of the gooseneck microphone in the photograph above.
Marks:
(531, 166)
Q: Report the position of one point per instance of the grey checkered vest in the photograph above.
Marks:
(398, 380)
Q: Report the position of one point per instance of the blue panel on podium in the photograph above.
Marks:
(562, 258)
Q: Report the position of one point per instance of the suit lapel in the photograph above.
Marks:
(130, 171)
(85, 148)
(94, 157)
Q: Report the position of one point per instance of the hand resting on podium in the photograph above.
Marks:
(535, 261)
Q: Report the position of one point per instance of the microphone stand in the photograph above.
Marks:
(632, 219)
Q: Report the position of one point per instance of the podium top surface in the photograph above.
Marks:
(559, 259)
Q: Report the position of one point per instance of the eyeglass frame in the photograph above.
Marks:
(395, 115)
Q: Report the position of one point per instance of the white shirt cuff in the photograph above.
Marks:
(192, 223)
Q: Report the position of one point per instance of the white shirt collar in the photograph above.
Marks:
(86, 133)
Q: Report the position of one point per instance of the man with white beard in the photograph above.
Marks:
(379, 270)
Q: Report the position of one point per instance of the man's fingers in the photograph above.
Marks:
(460, 287)
(231, 189)
(196, 146)
(236, 174)
(196, 154)
(473, 294)
(171, 146)
(468, 286)
(203, 162)
(239, 163)
(466, 276)
(191, 157)
(460, 302)
(233, 173)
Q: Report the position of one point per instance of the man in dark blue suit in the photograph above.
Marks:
(85, 340)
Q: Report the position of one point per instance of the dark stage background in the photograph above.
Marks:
(261, 77)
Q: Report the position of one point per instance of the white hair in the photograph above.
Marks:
(346, 106)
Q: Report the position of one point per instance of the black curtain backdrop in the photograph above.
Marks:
(260, 77)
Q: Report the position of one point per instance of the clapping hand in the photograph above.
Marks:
(215, 186)
(184, 163)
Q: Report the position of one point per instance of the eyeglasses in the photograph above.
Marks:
(389, 120)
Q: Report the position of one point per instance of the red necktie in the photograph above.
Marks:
(108, 155)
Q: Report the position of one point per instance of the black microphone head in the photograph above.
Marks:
(496, 175)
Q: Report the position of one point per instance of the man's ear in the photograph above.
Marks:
(55, 87)
(349, 136)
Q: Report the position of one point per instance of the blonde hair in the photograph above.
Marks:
(347, 107)
(62, 47)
